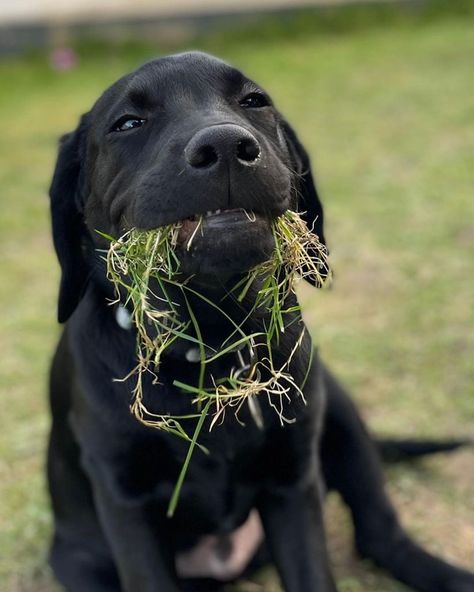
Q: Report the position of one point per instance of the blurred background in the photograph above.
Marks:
(381, 94)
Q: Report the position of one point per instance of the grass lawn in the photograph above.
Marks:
(387, 114)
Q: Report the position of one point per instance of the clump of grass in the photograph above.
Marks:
(298, 254)
(145, 271)
(133, 261)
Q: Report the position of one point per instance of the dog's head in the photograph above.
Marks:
(182, 137)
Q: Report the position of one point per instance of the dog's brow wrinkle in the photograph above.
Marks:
(235, 80)
(141, 98)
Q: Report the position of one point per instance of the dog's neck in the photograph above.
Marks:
(178, 365)
(243, 355)
(217, 311)
(218, 314)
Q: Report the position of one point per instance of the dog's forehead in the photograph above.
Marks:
(185, 76)
(193, 66)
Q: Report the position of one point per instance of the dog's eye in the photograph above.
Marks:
(255, 100)
(126, 123)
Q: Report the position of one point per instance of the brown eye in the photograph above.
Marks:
(126, 123)
(255, 100)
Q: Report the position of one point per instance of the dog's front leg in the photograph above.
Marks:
(294, 530)
(137, 537)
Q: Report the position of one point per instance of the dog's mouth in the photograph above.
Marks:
(223, 242)
(220, 220)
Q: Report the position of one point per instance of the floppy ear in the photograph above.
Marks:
(69, 230)
(308, 202)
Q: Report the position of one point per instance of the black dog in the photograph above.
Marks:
(181, 136)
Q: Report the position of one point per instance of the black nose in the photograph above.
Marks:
(226, 142)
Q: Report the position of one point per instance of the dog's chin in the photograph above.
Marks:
(223, 244)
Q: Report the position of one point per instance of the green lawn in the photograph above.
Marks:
(387, 113)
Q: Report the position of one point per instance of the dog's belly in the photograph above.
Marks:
(222, 557)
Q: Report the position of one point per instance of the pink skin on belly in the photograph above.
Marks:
(222, 557)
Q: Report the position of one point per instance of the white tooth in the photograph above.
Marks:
(208, 213)
(218, 211)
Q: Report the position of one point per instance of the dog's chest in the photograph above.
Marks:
(219, 491)
(219, 488)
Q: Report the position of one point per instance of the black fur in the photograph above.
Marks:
(111, 477)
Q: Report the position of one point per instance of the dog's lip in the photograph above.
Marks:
(219, 212)
(220, 219)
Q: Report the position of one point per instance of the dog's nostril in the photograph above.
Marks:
(202, 157)
(219, 145)
(248, 150)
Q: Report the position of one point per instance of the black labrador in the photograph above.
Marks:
(180, 136)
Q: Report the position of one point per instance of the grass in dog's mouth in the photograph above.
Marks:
(142, 263)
